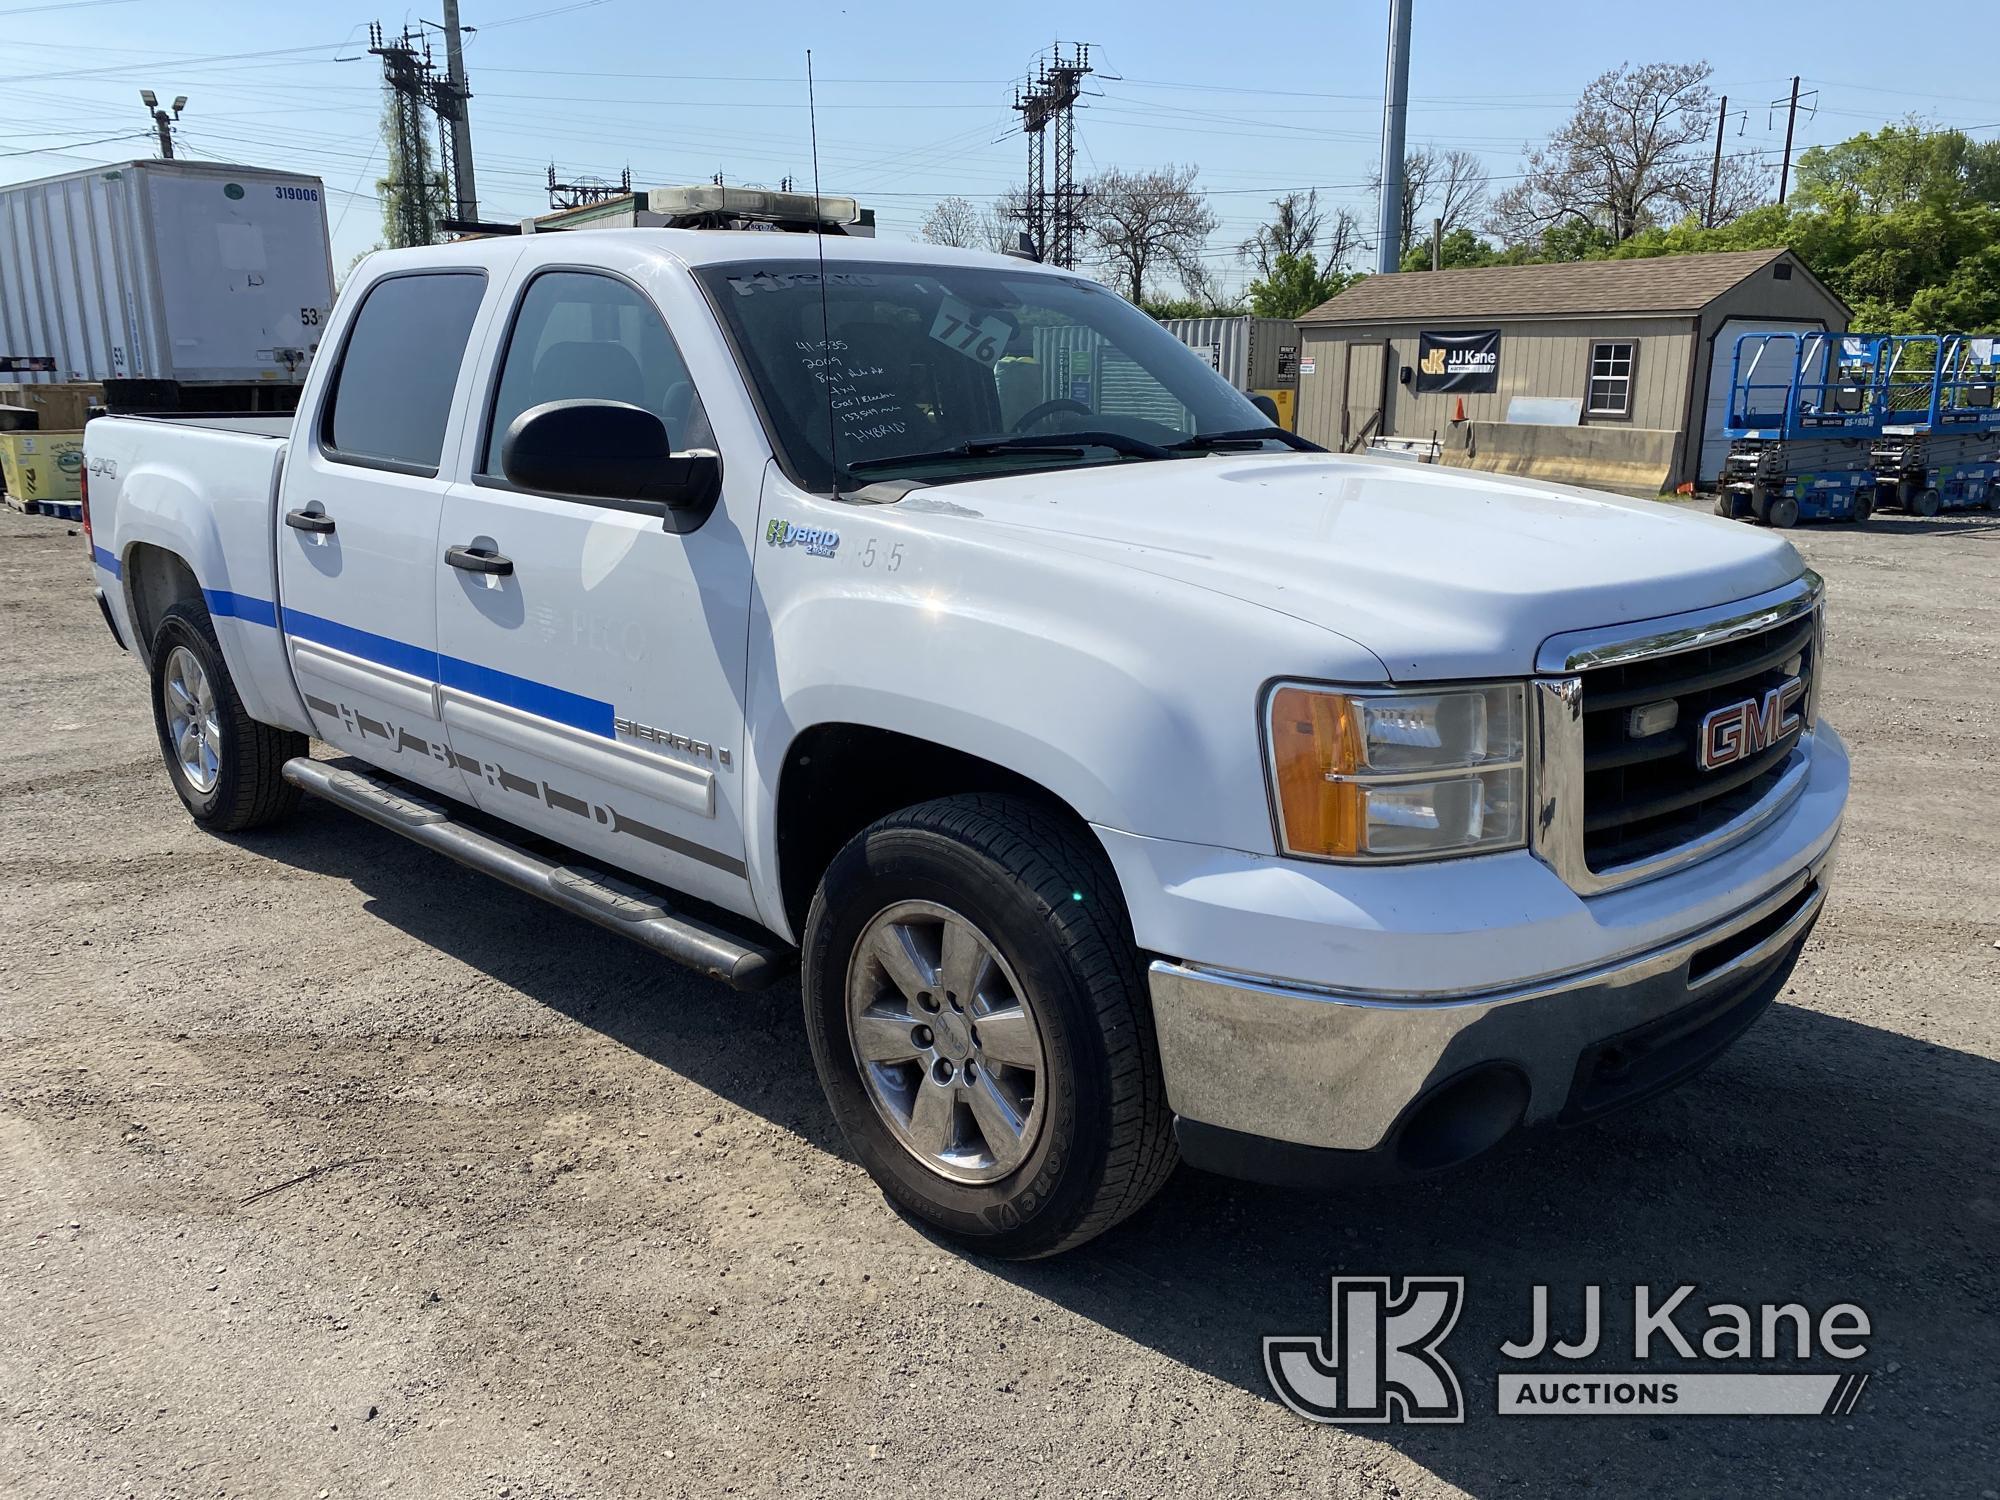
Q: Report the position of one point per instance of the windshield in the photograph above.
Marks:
(939, 373)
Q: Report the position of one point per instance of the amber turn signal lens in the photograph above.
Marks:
(1314, 737)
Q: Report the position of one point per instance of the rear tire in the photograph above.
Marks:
(1095, 1140)
(225, 766)
(1927, 503)
(1782, 513)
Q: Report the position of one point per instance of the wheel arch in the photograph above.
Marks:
(838, 777)
(156, 579)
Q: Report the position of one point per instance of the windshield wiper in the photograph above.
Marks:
(1052, 445)
(1248, 437)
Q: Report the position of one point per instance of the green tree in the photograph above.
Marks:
(1459, 248)
(1901, 164)
(1296, 286)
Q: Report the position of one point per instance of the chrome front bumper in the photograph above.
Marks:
(1397, 1077)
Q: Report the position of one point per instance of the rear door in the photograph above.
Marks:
(358, 532)
(594, 691)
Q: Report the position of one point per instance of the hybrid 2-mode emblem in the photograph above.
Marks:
(1744, 729)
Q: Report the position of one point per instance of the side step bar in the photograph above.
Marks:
(614, 904)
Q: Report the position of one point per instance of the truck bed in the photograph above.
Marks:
(203, 489)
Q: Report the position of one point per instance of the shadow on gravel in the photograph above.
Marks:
(1954, 523)
(1819, 1161)
(749, 1048)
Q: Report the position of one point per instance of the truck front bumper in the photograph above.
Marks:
(1280, 1083)
(1332, 1024)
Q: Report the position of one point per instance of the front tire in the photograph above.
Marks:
(980, 1024)
(225, 766)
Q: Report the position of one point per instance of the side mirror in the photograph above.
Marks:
(608, 450)
(1269, 408)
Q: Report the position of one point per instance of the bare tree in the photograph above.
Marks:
(955, 222)
(1447, 185)
(1633, 155)
(1146, 224)
(1294, 229)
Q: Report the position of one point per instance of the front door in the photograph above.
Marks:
(593, 689)
(358, 539)
(1366, 372)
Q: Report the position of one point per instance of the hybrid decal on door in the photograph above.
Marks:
(400, 740)
(819, 541)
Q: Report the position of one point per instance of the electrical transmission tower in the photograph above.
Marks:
(586, 190)
(426, 183)
(1047, 106)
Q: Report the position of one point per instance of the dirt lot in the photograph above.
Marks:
(328, 1169)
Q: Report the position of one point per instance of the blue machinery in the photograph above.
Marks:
(1940, 447)
(1804, 412)
(1826, 426)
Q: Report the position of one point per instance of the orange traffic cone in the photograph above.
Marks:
(1458, 412)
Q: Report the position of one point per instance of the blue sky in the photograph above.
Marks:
(913, 98)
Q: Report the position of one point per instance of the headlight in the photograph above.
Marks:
(1383, 774)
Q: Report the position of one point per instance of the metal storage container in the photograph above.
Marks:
(1252, 354)
(198, 273)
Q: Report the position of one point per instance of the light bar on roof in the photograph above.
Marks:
(752, 203)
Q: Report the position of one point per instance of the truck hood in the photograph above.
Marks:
(1440, 572)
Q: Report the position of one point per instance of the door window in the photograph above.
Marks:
(580, 336)
(392, 393)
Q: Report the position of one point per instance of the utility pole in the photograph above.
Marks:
(1437, 244)
(1395, 112)
(1715, 167)
(161, 122)
(1791, 121)
(451, 102)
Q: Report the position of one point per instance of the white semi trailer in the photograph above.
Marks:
(197, 285)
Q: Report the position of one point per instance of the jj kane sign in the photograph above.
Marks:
(1463, 363)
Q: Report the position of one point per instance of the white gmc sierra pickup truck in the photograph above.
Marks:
(1131, 780)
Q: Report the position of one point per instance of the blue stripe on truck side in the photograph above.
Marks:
(246, 607)
(106, 559)
(592, 715)
(362, 643)
(529, 696)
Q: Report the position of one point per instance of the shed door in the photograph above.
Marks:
(1363, 387)
(1714, 441)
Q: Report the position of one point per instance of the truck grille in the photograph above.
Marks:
(1644, 792)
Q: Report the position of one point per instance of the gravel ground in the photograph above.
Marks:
(328, 1169)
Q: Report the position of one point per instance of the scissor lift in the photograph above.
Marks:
(1804, 411)
(1940, 444)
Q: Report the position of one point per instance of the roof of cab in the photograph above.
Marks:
(699, 247)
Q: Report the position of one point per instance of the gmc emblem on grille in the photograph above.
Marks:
(1748, 728)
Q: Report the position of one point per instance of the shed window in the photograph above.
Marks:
(1611, 378)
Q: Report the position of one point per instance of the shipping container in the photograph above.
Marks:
(1252, 354)
(178, 273)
